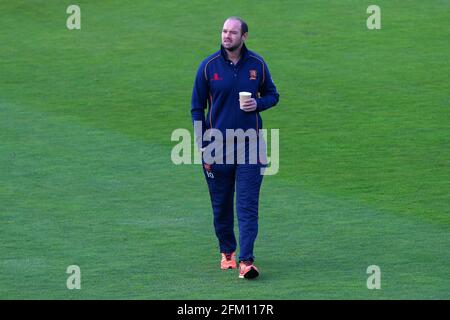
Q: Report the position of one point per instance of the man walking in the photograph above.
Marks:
(219, 79)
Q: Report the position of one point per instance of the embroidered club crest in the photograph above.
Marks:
(252, 74)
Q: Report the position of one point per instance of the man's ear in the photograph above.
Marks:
(244, 36)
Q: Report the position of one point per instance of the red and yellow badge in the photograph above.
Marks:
(253, 74)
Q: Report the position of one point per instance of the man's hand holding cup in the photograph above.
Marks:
(246, 102)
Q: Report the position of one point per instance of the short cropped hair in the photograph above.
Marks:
(244, 26)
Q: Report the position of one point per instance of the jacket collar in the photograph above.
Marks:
(244, 53)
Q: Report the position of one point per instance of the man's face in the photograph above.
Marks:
(232, 36)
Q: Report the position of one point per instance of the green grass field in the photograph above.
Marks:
(86, 177)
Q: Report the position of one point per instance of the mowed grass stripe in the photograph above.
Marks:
(73, 192)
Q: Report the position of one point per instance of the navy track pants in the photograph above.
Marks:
(223, 180)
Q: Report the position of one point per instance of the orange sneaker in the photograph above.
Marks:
(228, 261)
(247, 270)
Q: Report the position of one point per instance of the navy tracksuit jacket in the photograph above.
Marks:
(217, 85)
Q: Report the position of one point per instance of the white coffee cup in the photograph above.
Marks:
(243, 95)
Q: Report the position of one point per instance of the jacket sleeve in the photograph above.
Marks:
(198, 105)
(268, 92)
